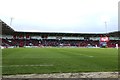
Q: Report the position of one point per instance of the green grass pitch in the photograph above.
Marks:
(58, 60)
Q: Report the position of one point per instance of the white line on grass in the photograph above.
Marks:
(91, 56)
(79, 54)
(86, 55)
(26, 65)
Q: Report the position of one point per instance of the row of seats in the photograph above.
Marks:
(46, 42)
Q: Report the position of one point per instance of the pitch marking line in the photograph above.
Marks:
(25, 65)
(80, 54)
(86, 55)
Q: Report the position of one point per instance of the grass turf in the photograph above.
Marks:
(57, 60)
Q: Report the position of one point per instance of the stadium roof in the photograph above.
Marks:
(60, 34)
(7, 30)
(116, 33)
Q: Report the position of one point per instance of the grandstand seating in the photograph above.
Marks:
(46, 42)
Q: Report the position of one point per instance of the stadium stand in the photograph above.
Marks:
(12, 38)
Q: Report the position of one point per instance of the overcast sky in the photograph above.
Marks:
(78, 16)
